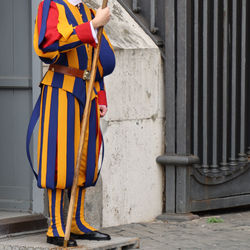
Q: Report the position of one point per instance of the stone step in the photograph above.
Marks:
(22, 224)
(38, 242)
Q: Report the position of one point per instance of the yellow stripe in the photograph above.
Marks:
(68, 83)
(45, 137)
(77, 127)
(62, 139)
(73, 60)
(72, 39)
(83, 167)
(87, 11)
(58, 212)
(100, 68)
(74, 227)
(50, 231)
(48, 78)
(82, 212)
(63, 26)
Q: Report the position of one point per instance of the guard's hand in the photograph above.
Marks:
(103, 110)
(102, 17)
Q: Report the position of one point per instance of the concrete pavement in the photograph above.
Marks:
(231, 234)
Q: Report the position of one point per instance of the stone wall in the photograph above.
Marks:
(134, 126)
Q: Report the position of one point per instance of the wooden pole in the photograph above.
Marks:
(83, 130)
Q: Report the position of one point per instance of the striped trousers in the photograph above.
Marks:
(56, 205)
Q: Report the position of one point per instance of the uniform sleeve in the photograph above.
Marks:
(101, 93)
(53, 34)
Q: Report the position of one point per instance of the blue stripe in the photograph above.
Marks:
(79, 90)
(32, 123)
(42, 126)
(57, 80)
(70, 140)
(48, 60)
(53, 47)
(53, 207)
(61, 211)
(82, 57)
(78, 210)
(91, 156)
(63, 59)
(107, 57)
(84, 15)
(70, 16)
(70, 46)
(52, 140)
(46, 6)
(101, 83)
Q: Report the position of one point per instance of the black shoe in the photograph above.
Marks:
(95, 235)
(59, 241)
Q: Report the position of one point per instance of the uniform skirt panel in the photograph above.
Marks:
(58, 140)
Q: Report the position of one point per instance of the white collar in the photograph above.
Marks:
(74, 2)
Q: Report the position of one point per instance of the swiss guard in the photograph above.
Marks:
(64, 37)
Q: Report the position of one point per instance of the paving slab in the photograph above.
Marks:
(38, 242)
(233, 233)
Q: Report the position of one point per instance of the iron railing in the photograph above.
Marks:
(150, 15)
(220, 89)
(205, 47)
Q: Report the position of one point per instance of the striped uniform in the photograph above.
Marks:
(67, 41)
(63, 36)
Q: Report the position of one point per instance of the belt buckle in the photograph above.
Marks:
(86, 75)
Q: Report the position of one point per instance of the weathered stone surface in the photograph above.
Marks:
(132, 181)
(134, 126)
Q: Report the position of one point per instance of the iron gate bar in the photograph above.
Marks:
(170, 136)
(224, 163)
(214, 166)
(232, 159)
(197, 78)
(153, 28)
(143, 23)
(242, 154)
(183, 101)
(135, 6)
(205, 165)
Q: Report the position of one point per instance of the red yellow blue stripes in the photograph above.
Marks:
(79, 225)
(59, 134)
(56, 202)
(63, 97)
(56, 206)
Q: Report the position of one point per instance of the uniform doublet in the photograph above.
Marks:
(64, 36)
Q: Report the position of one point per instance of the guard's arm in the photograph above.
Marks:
(54, 35)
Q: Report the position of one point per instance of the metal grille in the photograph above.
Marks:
(150, 15)
(221, 107)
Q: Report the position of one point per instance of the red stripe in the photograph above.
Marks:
(102, 99)
(52, 34)
(39, 16)
(84, 33)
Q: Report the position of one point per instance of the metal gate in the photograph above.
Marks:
(207, 109)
